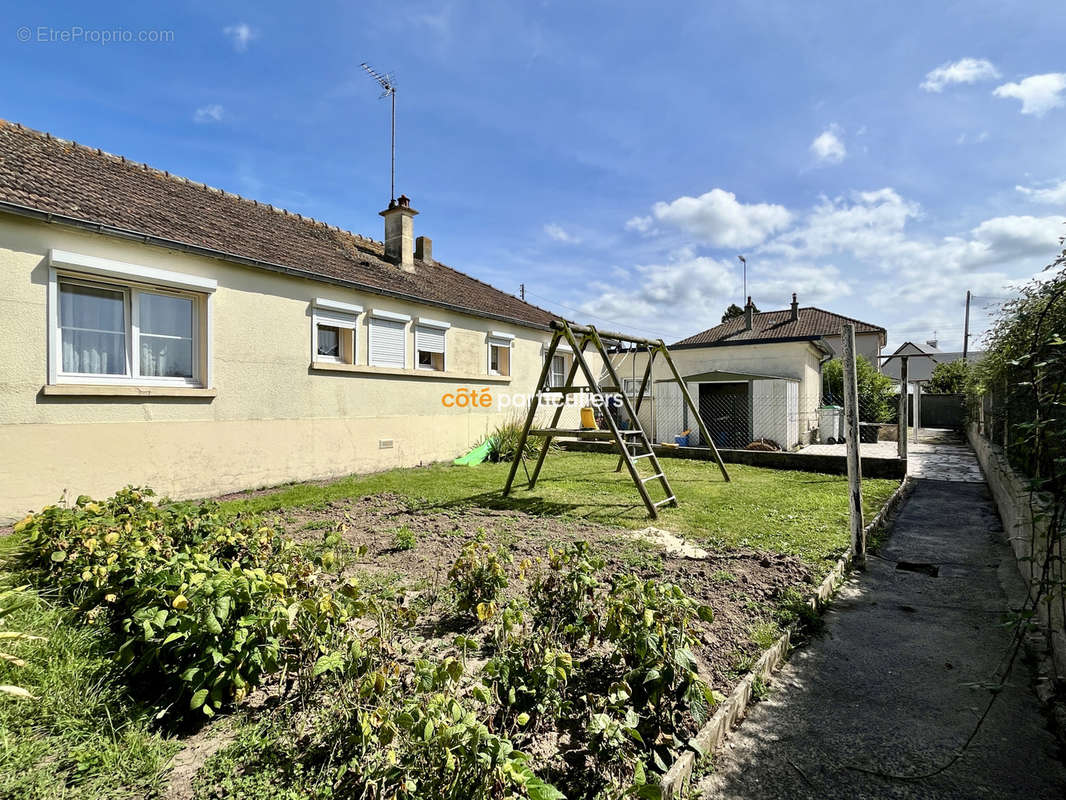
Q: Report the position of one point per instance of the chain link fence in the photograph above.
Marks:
(757, 413)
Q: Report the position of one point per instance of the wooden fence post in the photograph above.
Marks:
(903, 426)
(851, 417)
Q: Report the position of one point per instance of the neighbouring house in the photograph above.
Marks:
(923, 358)
(157, 331)
(756, 376)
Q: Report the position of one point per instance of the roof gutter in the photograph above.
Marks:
(49, 217)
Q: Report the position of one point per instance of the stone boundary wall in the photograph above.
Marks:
(1020, 510)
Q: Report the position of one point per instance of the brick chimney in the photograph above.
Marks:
(795, 308)
(399, 233)
(749, 309)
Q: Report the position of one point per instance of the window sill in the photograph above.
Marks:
(325, 366)
(107, 390)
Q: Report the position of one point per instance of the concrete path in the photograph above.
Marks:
(891, 684)
(940, 454)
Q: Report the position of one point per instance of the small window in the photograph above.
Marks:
(127, 334)
(430, 344)
(557, 377)
(499, 357)
(333, 326)
(631, 386)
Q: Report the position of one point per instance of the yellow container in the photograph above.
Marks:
(588, 419)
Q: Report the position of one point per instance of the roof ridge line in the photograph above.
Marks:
(166, 174)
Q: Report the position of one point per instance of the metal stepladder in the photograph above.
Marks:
(632, 442)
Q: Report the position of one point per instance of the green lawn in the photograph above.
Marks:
(800, 513)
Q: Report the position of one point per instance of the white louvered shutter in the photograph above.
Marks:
(387, 343)
(431, 340)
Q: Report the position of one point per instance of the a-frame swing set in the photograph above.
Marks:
(632, 442)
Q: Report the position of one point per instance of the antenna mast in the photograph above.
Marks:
(388, 86)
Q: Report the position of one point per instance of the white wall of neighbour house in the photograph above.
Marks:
(866, 344)
(799, 360)
(272, 417)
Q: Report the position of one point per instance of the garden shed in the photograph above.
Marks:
(736, 407)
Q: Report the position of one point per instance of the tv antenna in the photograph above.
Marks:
(388, 86)
(744, 261)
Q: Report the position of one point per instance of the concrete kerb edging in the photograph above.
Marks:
(731, 712)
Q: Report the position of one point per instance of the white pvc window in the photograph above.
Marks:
(430, 344)
(557, 377)
(113, 333)
(499, 356)
(388, 340)
(333, 339)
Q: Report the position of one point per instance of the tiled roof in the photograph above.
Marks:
(53, 176)
(773, 326)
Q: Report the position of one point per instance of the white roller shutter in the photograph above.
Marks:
(430, 340)
(338, 319)
(387, 343)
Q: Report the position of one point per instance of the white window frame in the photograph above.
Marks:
(131, 280)
(392, 316)
(499, 339)
(551, 371)
(425, 322)
(325, 319)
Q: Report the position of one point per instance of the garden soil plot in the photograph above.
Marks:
(742, 587)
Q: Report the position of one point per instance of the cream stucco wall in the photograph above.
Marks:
(273, 419)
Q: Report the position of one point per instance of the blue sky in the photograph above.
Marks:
(878, 158)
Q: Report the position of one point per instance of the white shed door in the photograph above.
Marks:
(387, 343)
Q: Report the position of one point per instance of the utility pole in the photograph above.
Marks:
(522, 291)
(966, 329)
(744, 261)
(903, 426)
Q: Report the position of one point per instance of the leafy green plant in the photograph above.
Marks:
(504, 439)
(403, 538)
(478, 576)
(649, 624)
(876, 400)
(202, 606)
(563, 596)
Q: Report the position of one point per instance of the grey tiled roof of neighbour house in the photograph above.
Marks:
(60, 181)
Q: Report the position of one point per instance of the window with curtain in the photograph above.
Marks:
(166, 335)
(334, 334)
(557, 377)
(125, 333)
(92, 329)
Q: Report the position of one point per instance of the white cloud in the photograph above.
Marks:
(241, 35)
(717, 218)
(1038, 93)
(663, 294)
(965, 70)
(1054, 195)
(639, 224)
(976, 139)
(209, 113)
(828, 147)
(856, 254)
(559, 234)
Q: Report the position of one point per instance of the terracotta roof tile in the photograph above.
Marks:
(812, 323)
(55, 176)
